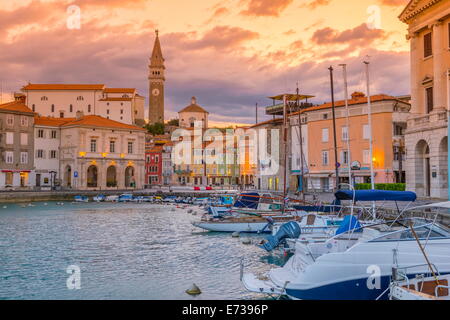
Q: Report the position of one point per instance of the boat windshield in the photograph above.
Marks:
(423, 232)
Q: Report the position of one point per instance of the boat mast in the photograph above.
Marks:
(347, 140)
(285, 144)
(336, 165)
(302, 180)
(369, 105)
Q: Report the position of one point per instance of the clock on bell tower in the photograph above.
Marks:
(156, 79)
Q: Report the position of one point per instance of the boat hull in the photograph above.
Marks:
(250, 227)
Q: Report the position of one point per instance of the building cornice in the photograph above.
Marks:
(414, 8)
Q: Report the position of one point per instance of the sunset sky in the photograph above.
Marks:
(230, 54)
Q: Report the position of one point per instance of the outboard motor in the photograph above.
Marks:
(287, 230)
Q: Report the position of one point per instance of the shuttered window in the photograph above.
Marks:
(428, 45)
(429, 97)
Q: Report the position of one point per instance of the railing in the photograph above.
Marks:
(421, 120)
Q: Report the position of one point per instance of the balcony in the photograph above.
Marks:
(435, 120)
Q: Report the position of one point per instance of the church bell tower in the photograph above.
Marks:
(156, 79)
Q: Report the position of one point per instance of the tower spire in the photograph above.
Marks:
(157, 59)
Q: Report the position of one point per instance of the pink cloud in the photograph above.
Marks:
(266, 8)
(360, 35)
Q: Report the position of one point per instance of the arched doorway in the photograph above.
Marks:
(111, 177)
(68, 176)
(422, 168)
(129, 177)
(92, 175)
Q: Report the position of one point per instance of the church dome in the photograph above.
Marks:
(193, 107)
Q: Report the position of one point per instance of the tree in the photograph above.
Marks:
(155, 129)
(174, 122)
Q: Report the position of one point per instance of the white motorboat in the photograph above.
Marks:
(113, 198)
(358, 265)
(250, 224)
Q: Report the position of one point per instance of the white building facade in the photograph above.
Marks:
(65, 100)
(426, 136)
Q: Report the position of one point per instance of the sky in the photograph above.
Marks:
(230, 54)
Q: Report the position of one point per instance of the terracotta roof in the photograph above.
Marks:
(100, 122)
(51, 121)
(116, 99)
(193, 107)
(356, 99)
(277, 120)
(119, 90)
(155, 149)
(31, 86)
(18, 106)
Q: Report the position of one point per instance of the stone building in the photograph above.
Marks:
(100, 154)
(16, 145)
(426, 137)
(191, 114)
(157, 79)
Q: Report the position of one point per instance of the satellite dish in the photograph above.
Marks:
(356, 165)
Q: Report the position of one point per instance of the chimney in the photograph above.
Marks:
(357, 95)
(79, 115)
(193, 100)
(19, 97)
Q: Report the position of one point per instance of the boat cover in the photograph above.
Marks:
(375, 195)
(247, 200)
(349, 223)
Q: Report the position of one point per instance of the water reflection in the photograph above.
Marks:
(124, 251)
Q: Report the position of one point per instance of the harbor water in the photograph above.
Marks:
(123, 251)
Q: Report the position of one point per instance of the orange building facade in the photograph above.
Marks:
(389, 118)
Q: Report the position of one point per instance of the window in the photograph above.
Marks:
(107, 111)
(112, 146)
(34, 107)
(344, 133)
(366, 156)
(325, 158)
(130, 147)
(10, 120)
(427, 45)
(53, 108)
(80, 98)
(9, 157)
(156, 159)
(429, 97)
(24, 121)
(325, 135)
(44, 98)
(61, 114)
(121, 111)
(40, 133)
(366, 131)
(53, 154)
(40, 154)
(325, 116)
(24, 157)
(89, 108)
(10, 138)
(53, 134)
(70, 108)
(93, 145)
(24, 139)
(344, 157)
